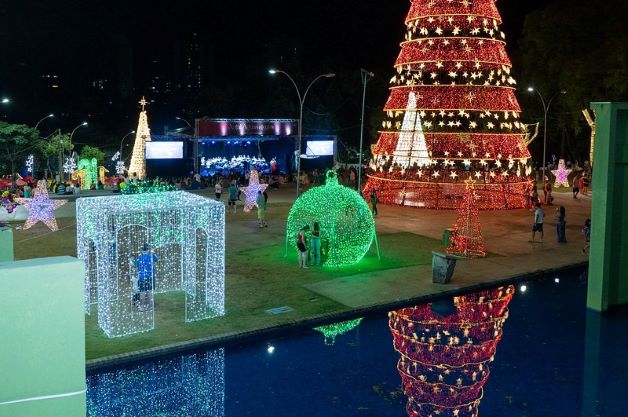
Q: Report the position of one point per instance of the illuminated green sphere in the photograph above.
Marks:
(346, 223)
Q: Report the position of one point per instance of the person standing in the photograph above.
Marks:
(576, 187)
(586, 232)
(145, 264)
(560, 225)
(218, 189)
(585, 184)
(233, 195)
(374, 201)
(316, 244)
(547, 192)
(539, 214)
(302, 248)
(261, 209)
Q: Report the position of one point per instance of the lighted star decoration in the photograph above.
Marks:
(41, 208)
(561, 174)
(251, 191)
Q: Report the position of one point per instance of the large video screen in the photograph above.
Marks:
(320, 148)
(164, 150)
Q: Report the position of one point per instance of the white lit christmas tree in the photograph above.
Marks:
(138, 158)
(411, 148)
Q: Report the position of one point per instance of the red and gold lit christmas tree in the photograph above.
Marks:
(466, 239)
(452, 113)
(446, 348)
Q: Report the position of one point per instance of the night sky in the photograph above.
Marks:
(128, 42)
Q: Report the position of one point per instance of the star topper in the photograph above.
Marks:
(561, 174)
(41, 208)
(251, 191)
(143, 103)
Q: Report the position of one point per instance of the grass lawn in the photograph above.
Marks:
(259, 277)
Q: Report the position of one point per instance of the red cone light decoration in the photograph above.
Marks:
(446, 350)
(466, 239)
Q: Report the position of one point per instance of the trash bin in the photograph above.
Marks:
(447, 237)
(443, 266)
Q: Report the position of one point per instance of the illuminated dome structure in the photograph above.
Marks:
(445, 349)
(346, 223)
(452, 113)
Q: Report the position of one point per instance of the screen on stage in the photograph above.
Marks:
(320, 148)
(164, 150)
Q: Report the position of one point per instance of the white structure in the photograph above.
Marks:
(184, 231)
(411, 147)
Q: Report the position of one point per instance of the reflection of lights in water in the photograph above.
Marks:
(271, 349)
(190, 385)
(445, 350)
(557, 280)
(523, 288)
(331, 331)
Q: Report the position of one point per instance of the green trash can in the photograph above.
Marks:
(447, 237)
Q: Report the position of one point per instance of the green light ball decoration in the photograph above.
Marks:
(346, 223)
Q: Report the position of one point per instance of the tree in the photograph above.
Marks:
(589, 59)
(89, 152)
(55, 146)
(452, 113)
(16, 142)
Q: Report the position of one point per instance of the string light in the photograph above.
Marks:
(138, 157)
(452, 95)
(29, 163)
(147, 186)
(69, 165)
(86, 173)
(466, 239)
(346, 223)
(331, 331)
(561, 174)
(188, 385)
(186, 232)
(445, 350)
(41, 208)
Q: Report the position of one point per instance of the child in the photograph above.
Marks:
(302, 247)
(145, 264)
(586, 232)
(538, 221)
(233, 195)
(218, 189)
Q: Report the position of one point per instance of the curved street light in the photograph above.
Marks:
(301, 102)
(183, 120)
(546, 107)
(42, 119)
(122, 141)
(72, 134)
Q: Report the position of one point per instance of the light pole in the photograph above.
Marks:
(122, 141)
(195, 139)
(72, 134)
(546, 107)
(42, 119)
(301, 102)
(5, 100)
(366, 76)
(183, 120)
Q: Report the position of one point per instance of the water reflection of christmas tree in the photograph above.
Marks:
(446, 347)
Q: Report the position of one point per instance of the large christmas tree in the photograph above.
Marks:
(452, 113)
(142, 135)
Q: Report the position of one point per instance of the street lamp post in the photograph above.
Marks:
(71, 135)
(301, 102)
(122, 141)
(366, 75)
(546, 107)
(42, 119)
(195, 147)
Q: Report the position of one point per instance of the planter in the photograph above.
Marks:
(443, 266)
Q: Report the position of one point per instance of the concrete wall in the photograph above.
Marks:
(608, 259)
(42, 338)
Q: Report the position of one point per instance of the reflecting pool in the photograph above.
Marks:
(526, 350)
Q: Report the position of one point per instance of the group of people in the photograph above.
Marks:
(560, 218)
(309, 245)
(580, 185)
